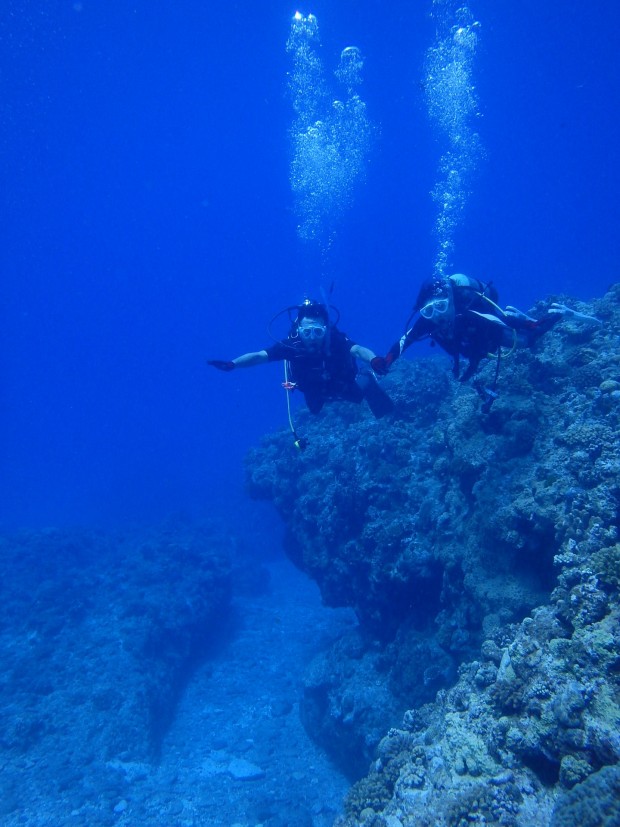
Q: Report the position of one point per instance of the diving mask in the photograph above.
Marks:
(312, 332)
(435, 308)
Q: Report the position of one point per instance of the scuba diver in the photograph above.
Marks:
(320, 361)
(461, 315)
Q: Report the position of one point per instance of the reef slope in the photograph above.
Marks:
(480, 553)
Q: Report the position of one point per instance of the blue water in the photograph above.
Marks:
(147, 222)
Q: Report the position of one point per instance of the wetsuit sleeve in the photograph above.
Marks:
(277, 352)
(420, 330)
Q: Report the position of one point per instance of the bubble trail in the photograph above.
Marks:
(331, 138)
(452, 105)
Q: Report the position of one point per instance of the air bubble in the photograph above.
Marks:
(331, 138)
(452, 105)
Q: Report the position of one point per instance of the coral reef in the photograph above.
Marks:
(480, 553)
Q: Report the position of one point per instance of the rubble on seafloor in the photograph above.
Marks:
(150, 676)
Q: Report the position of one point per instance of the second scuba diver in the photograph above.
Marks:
(462, 316)
(320, 361)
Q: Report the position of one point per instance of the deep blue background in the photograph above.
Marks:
(147, 224)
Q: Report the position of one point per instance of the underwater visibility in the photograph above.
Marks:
(404, 610)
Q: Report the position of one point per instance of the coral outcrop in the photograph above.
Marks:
(480, 553)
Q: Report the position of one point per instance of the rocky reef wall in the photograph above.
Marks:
(480, 553)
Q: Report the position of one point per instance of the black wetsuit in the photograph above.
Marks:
(472, 335)
(329, 373)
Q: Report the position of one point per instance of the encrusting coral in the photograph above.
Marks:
(480, 553)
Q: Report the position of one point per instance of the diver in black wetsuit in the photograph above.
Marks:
(462, 316)
(321, 362)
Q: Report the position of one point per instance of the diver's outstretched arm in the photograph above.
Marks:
(363, 353)
(379, 364)
(247, 360)
(382, 364)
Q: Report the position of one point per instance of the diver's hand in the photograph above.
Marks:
(381, 364)
(221, 365)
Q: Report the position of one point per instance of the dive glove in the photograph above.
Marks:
(221, 365)
(381, 364)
